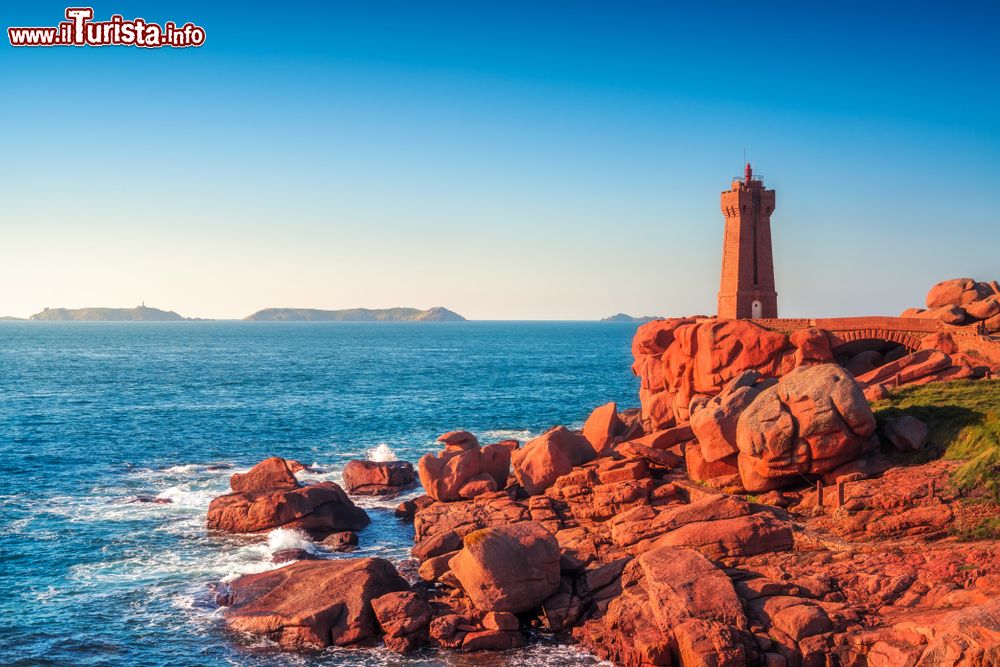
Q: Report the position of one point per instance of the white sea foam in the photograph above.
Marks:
(497, 434)
(381, 453)
(183, 495)
(181, 469)
(288, 538)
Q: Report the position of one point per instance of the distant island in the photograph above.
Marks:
(137, 314)
(437, 314)
(622, 317)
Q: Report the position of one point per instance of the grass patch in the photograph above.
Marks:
(986, 529)
(964, 422)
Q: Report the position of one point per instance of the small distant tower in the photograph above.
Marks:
(747, 289)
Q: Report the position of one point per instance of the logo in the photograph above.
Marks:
(79, 29)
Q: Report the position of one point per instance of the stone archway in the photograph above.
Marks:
(904, 338)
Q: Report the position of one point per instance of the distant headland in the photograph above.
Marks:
(137, 314)
(622, 317)
(436, 314)
(145, 313)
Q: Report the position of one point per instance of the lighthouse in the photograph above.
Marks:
(747, 289)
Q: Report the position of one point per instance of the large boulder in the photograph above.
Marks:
(318, 509)
(539, 463)
(508, 568)
(918, 367)
(675, 607)
(271, 473)
(463, 469)
(701, 356)
(906, 433)
(316, 603)
(813, 420)
(946, 314)
(812, 346)
(378, 478)
(957, 292)
(685, 584)
(405, 618)
(939, 340)
(715, 424)
(440, 527)
(602, 427)
(637, 529)
(747, 535)
(985, 309)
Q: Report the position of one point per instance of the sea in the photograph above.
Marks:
(96, 415)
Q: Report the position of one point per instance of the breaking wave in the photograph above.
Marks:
(381, 453)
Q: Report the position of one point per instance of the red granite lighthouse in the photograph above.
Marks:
(747, 289)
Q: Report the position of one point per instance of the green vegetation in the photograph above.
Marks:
(987, 529)
(964, 421)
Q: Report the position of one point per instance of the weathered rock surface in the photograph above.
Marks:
(464, 469)
(508, 568)
(675, 605)
(957, 292)
(272, 473)
(906, 433)
(682, 363)
(314, 603)
(540, 462)
(815, 419)
(405, 619)
(714, 423)
(603, 427)
(317, 509)
(378, 478)
(679, 359)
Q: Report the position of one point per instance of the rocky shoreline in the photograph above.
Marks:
(753, 512)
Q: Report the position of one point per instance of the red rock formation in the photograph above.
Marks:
(318, 509)
(463, 469)
(957, 292)
(405, 618)
(288, 555)
(812, 346)
(946, 314)
(813, 420)
(549, 456)
(344, 541)
(929, 365)
(508, 568)
(714, 423)
(272, 473)
(314, 603)
(985, 309)
(683, 363)
(906, 433)
(603, 427)
(673, 601)
(678, 360)
(377, 478)
(715, 580)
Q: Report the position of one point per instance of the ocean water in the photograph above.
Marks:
(93, 415)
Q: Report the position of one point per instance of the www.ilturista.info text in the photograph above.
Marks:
(80, 30)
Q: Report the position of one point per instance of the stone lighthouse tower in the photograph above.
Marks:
(747, 264)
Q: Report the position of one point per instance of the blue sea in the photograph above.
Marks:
(93, 415)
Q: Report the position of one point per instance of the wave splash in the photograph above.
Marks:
(382, 453)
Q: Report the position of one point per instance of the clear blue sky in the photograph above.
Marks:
(541, 160)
